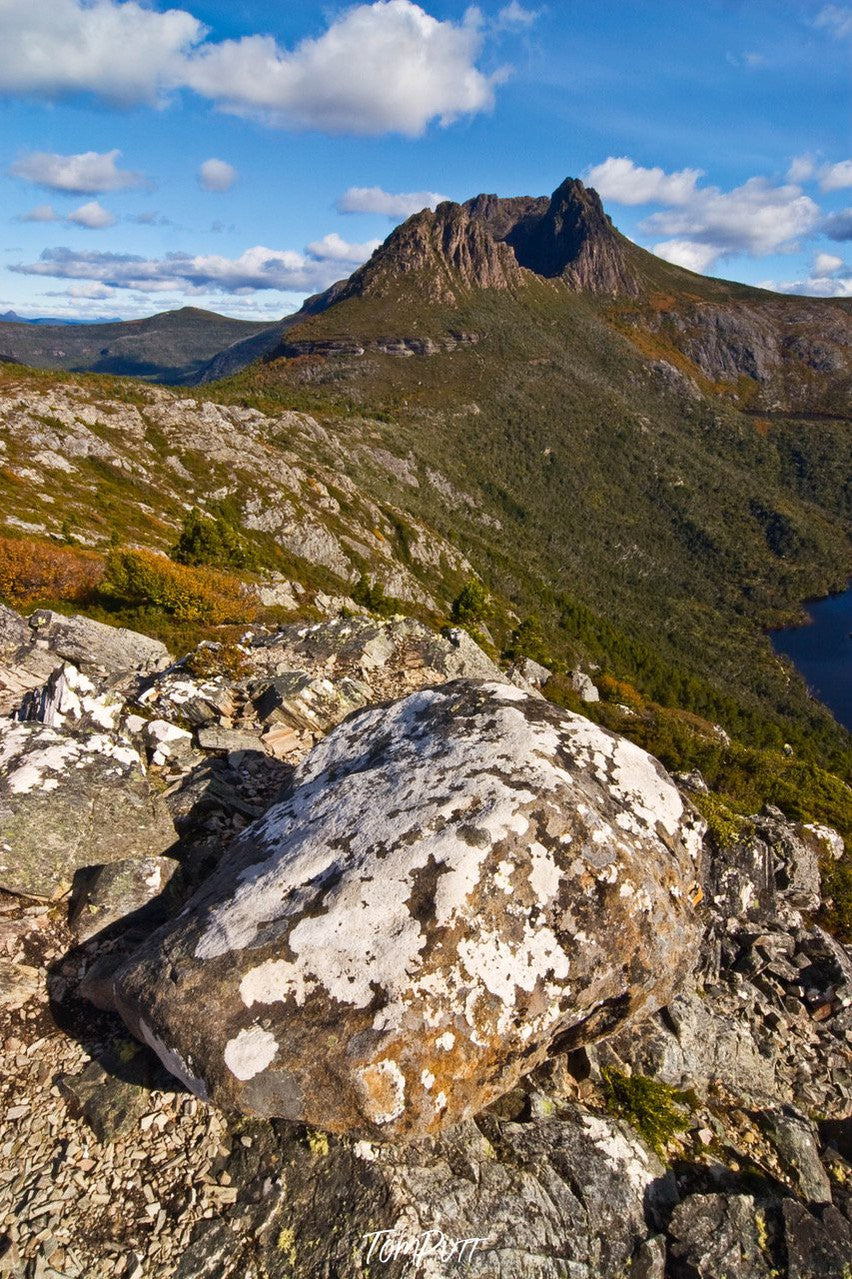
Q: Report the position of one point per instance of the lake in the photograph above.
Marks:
(822, 652)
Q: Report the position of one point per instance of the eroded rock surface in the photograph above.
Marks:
(68, 801)
(455, 881)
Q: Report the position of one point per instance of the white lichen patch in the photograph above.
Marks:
(629, 1156)
(273, 982)
(250, 1052)
(383, 1090)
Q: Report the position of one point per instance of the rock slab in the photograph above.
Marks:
(69, 800)
(455, 882)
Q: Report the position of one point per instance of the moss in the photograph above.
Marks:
(656, 1110)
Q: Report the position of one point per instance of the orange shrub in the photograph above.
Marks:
(141, 577)
(32, 570)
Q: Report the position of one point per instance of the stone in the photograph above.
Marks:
(111, 1094)
(819, 1244)
(457, 883)
(306, 704)
(93, 646)
(69, 801)
(569, 1196)
(19, 983)
(650, 1260)
(69, 699)
(795, 851)
(584, 687)
(715, 1235)
(14, 632)
(794, 1138)
(528, 674)
(106, 894)
(224, 740)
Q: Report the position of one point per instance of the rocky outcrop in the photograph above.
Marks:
(570, 849)
(71, 800)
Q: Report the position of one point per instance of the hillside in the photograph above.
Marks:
(672, 457)
(171, 347)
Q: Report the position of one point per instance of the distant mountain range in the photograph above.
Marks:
(12, 317)
(172, 347)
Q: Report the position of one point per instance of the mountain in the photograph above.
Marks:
(12, 317)
(170, 347)
(647, 468)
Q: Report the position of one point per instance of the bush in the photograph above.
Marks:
(471, 605)
(371, 595)
(139, 577)
(33, 570)
(209, 541)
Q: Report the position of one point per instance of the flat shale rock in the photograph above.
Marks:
(69, 801)
(96, 647)
(456, 881)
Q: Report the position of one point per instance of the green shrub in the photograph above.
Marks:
(471, 605)
(210, 541)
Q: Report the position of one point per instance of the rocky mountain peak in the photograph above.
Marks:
(491, 242)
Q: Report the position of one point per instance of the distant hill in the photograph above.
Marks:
(171, 347)
(12, 317)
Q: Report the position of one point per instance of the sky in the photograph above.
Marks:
(239, 156)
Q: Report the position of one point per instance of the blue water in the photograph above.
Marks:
(822, 652)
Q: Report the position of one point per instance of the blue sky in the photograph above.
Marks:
(239, 155)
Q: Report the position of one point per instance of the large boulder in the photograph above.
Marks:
(69, 801)
(455, 882)
(97, 648)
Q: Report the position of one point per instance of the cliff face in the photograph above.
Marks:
(494, 243)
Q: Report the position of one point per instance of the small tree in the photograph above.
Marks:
(209, 541)
(471, 605)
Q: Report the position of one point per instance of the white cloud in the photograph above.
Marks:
(333, 248)
(756, 218)
(89, 173)
(835, 177)
(41, 213)
(687, 253)
(619, 179)
(123, 52)
(515, 15)
(835, 18)
(827, 264)
(92, 215)
(380, 67)
(258, 268)
(802, 167)
(375, 200)
(217, 175)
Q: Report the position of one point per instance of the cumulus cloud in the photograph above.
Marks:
(216, 175)
(92, 215)
(258, 268)
(41, 213)
(830, 277)
(688, 253)
(333, 248)
(835, 177)
(375, 200)
(836, 19)
(386, 66)
(619, 179)
(89, 173)
(838, 226)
